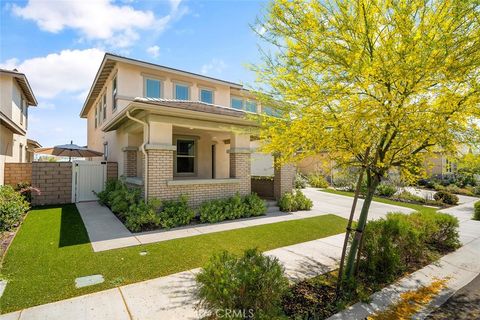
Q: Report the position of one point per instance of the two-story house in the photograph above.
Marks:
(16, 96)
(174, 132)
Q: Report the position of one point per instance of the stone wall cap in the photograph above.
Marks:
(239, 150)
(154, 146)
(130, 149)
(202, 181)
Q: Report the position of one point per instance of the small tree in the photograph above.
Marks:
(397, 78)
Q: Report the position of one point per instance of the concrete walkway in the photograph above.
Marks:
(106, 232)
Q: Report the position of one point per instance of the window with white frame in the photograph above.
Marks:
(96, 117)
(104, 106)
(182, 91)
(185, 156)
(114, 93)
(22, 109)
(250, 106)
(206, 95)
(153, 88)
(237, 103)
(99, 112)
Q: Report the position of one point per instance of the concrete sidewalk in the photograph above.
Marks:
(106, 232)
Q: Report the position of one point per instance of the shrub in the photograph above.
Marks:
(232, 208)
(399, 242)
(317, 181)
(439, 230)
(476, 213)
(386, 246)
(386, 190)
(446, 197)
(26, 189)
(255, 206)
(176, 213)
(409, 197)
(143, 216)
(294, 201)
(300, 181)
(252, 284)
(12, 207)
(104, 196)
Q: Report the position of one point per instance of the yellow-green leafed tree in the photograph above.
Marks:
(398, 78)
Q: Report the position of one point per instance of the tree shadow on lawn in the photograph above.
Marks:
(72, 230)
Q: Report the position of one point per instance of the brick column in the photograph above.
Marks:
(130, 161)
(159, 167)
(283, 180)
(240, 169)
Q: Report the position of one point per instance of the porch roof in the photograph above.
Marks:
(182, 109)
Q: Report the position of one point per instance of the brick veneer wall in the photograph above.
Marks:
(54, 179)
(283, 180)
(160, 170)
(263, 187)
(130, 163)
(17, 172)
(112, 170)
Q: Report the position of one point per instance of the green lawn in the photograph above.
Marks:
(52, 248)
(417, 207)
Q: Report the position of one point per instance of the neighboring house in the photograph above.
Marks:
(174, 132)
(16, 96)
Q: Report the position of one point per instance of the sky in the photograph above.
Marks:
(59, 45)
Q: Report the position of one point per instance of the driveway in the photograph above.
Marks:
(341, 205)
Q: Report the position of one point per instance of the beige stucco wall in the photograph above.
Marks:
(10, 143)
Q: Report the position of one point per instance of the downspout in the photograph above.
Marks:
(146, 139)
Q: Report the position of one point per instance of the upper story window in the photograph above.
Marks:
(99, 112)
(243, 104)
(153, 88)
(250, 106)
(206, 95)
(104, 106)
(22, 109)
(96, 117)
(182, 91)
(114, 93)
(269, 111)
(237, 103)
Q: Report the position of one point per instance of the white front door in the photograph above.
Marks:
(88, 178)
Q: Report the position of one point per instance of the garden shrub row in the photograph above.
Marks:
(137, 215)
(232, 208)
(13, 206)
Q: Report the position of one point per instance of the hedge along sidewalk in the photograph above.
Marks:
(107, 232)
(457, 268)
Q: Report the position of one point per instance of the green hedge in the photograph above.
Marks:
(397, 243)
(12, 207)
(232, 208)
(476, 213)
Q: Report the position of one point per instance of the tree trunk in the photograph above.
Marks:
(362, 221)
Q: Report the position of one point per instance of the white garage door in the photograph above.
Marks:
(88, 177)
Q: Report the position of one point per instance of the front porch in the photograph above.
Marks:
(201, 159)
